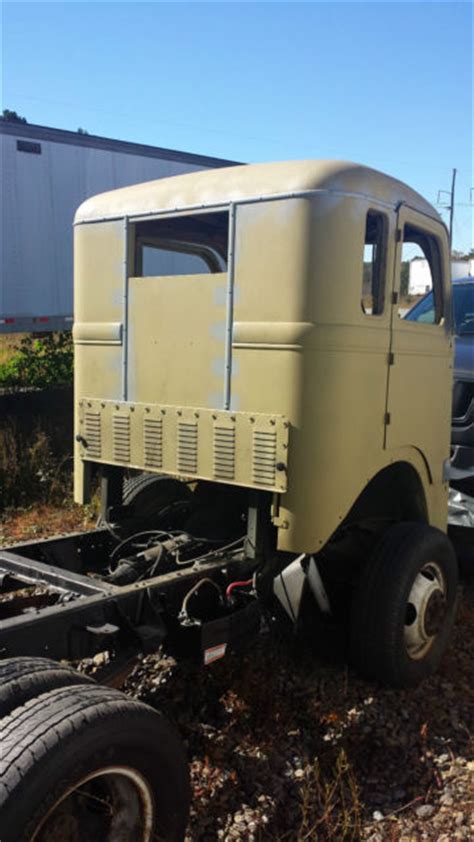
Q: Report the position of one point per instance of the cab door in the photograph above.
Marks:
(420, 360)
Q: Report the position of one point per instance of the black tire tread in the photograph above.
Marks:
(23, 678)
(134, 486)
(41, 718)
(47, 728)
(372, 652)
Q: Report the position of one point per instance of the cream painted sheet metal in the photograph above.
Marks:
(249, 183)
(97, 333)
(237, 448)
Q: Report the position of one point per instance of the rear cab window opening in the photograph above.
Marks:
(374, 263)
(195, 244)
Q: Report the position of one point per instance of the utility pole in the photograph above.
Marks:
(451, 211)
(449, 207)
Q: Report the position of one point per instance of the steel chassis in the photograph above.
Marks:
(90, 615)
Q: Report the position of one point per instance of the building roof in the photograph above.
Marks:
(31, 131)
(253, 181)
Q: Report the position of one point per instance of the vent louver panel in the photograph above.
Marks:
(264, 457)
(214, 445)
(121, 438)
(187, 447)
(153, 442)
(92, 434)
(224, 453)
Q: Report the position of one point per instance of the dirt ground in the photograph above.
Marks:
(283, 746)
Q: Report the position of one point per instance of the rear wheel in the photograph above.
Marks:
(21, 679)
(404, 605)
(87, 763)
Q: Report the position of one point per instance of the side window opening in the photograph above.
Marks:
(182, 245)
(375, 250)
(420, 279)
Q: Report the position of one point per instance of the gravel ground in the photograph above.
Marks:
(284, 747)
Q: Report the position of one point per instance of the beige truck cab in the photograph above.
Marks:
(242, 330)
(272, 440)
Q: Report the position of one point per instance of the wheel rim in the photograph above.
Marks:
(426, 610)
(113, 804)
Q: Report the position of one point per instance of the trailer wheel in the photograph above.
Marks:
(88, 764)
(21, 679)
(404, 605)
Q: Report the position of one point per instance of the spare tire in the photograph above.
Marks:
(152, 501)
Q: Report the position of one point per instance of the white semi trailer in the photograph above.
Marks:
(45, 174)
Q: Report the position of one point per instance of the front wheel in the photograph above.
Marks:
(404, 605)
(87, 763)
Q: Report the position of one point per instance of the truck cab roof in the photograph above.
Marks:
(250, 182)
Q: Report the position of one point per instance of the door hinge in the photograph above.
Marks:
(399, 235)
(386, 418)
(391, 358)
(394, 297)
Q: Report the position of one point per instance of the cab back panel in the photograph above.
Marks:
(176, 333)
(99, 255)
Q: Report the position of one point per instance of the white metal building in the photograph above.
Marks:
(420, 275)
(45, 174)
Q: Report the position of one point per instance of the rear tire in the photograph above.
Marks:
(21, 679)
(87, 763)
(404, 605)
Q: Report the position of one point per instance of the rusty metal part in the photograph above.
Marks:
(15, 602)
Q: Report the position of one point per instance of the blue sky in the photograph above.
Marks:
(388, 84)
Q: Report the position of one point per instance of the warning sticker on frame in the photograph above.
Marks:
(214, 653)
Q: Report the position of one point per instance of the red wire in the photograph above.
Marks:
(233, 585)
